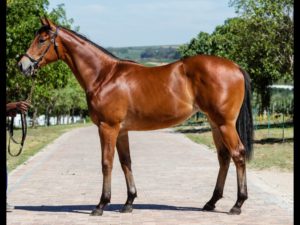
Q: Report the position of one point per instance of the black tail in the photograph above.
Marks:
(244, 123)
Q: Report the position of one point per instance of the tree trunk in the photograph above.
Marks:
(264, 94)
(58, 119)
(47, 116)
(265, 98)
(72, 115)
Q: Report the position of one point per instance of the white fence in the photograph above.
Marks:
(40, 121)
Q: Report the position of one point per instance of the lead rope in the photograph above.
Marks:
(24, 127)
(29, 98)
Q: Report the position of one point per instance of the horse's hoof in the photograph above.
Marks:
(208, 207)
(97, 212)
(126, 209)
(235, 211)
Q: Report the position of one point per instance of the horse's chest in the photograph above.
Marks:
(106, 109)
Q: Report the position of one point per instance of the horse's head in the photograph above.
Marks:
(43, 49)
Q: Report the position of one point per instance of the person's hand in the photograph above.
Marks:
(13, 107)
(22, 106)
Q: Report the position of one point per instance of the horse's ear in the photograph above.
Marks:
(44, 21)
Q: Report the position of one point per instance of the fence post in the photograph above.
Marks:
(268, 111)
(282, 127)
(255, 118)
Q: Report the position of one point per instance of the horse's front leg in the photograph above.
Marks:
(125, 160)
(108, 135)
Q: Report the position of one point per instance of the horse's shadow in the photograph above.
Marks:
(86, 209)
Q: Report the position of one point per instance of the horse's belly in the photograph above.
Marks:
(158, 121)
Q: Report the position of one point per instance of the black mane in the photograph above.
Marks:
(93, 43)
(98, 46)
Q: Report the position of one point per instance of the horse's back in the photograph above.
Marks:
(209, 64)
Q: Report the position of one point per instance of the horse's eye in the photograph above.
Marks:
(41, 41)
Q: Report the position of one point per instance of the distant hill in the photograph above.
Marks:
(162, 53)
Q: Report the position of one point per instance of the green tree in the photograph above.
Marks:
(260, 41)
(200, 45)
(23, 19)
(68, 101)
(269, 28)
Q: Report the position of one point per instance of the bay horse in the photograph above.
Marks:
(123, 95)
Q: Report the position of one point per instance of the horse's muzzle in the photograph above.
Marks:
(26, 67)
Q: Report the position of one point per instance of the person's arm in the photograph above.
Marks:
(12, 107)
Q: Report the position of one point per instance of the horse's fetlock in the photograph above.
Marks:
(243, 196)
(132, 193)
(217, 194)
(105, 197)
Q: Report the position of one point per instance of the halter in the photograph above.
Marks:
(53, 40)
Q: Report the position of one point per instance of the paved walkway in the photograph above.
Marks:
(174, 178)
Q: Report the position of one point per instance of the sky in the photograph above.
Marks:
(123, 23)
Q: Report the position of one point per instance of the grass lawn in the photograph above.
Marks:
(36, 139)
(270, 152)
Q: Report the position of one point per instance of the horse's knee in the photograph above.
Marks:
(106, 167)
(125, 163)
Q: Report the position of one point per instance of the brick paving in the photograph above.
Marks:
(174, 178)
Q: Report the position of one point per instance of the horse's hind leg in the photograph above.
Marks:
(233, 143)
(125, 160)
(224, 162)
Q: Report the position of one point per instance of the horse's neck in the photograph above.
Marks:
(88, 63)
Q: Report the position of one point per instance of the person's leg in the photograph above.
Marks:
(8, 206)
